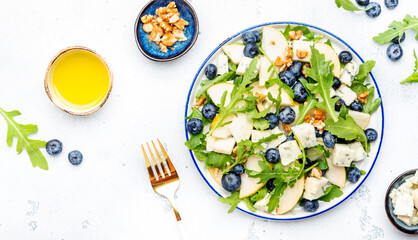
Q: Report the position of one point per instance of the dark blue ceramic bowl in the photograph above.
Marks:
(401, 226)
(151, 49)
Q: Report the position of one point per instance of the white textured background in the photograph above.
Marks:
(109, 196)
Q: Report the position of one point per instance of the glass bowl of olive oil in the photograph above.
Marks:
(78, 81)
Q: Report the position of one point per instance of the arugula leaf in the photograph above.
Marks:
(276, 101)
(309, 36)
(343, 111)
(330, 193)
(322, 164)
(214, 160)
(347, 129)
(197, 114)
(321, 72)
(328, 42)
(261, 124)
(364, 70)
(397, 29)
(414, 76)
(276, 194)
(348, 5)
(232, 200)
(259, 195)
(205, 84)
(249, 204)
(304, 109)
(21, 132)
(371, 105)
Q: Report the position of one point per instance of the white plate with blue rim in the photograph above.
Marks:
(376, 122)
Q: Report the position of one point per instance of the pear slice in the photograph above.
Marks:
(234, 51)
(240, 127)
(216, 92)
(264, 74)
(290, 197)
(335, 174)
(249, 186)
(274, 43)
(216, 174)
(330, 55)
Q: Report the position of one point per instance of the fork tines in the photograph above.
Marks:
(160, 169)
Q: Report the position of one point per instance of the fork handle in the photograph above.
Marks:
(182, 228)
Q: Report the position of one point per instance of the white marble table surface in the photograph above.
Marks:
(109, 195)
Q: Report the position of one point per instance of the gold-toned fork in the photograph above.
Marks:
(163, 182)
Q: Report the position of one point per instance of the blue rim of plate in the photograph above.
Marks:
(282, 23)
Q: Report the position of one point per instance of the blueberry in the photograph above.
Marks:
(257, 36)
(238, 169)
(371, 134)
(290, 138)
(272, 155)
(396, 39)
(394, 51)
(329, 140)
(356, 106)
(194, 126)
(337, 83)
(287, 78)
(211, 71)
(251, 50)
(344, 141)
(273, 120)
(318, 134)
(309, 163)
(249, 37)
(310, 205)
(300, 92)
(296, 69)
(374, 9)
(345, 57)
(270, 184)
(287, 115)
(362, 2)
(354, 174)
(209, 111)
(340, 102)
(75, 157)
(231, 181)
(323, 172)
(54, 147)
(391, 4)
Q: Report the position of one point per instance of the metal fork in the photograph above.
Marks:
(164, 183)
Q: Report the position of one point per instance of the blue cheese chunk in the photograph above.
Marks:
(305, 132)
(403, 203)
(225, 146)
(262, 204)
(346, 78)
(342, 155)
(289, 152)
(244, 64)
(314, 188)
(222, 64)
(352, 68)
(359, 153)
(346, 94)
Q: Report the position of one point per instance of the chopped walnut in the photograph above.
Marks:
(163, 48)
(319, 114)
(148, 27)
(316, 173)
(286, 127)
(278, 62)
(303, 69)
(301, 54)
(146, 19)
(308, 119)
(362, 97)
(318, 124)
(289, 52)
(168, 39)
(200, 101)
(295, 35)
(235, 151)
(261, 96)
(179, 35)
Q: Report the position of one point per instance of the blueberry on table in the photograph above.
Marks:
(53, 147)
(287, 78)
(287, 115)
(318, 134)
(354, 174)
(394, 51)
(362, 2)
(300, 92)
(209, 111)
(272, 155)
(396, 39)
(251, 50)
(345, 57)
(211, 71)
(310, 205)
(270, 184)
(273, 120)
(337, 83)
(231, 181)
(296, 69)
(329, 140)
(391, 4)
(75, 157)
(194, 126)
(340, 102)
(371, 134)
(374, 9)
(257, 35)
(356, 106)
(249, 37)
(238, 169)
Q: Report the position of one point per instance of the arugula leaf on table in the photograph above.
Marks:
(232, 200)
(348, 5)
(330, 193)
(206, 83)
(397, 29)
(304, 109)
(21, 132)
(364, 70)
(347, 129)
(321, 72)
(414, 76)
